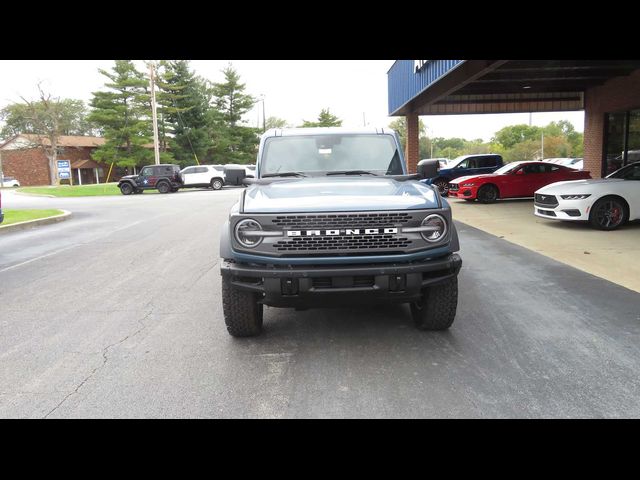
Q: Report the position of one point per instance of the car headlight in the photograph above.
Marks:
(575, 197)
(468, 184)
(438, 228)
(245, 233)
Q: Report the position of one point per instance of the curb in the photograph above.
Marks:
(35, 194)
(35, 223)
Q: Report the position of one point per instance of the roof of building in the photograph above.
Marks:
(63, 140)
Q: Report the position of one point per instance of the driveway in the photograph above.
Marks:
(614, 255)
(117, 313)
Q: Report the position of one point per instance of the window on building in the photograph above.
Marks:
(622, 143)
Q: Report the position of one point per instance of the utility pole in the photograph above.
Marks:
(364, 122)
(156, 148)
(264, 121)
(542, 146)
(1, 172)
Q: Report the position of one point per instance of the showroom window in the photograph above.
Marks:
(622, 144)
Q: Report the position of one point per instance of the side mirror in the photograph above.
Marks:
(520, 172)
(428, 168)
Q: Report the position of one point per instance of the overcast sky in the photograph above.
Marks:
(295, 90)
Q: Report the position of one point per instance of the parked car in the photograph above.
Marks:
(10, 182)
(164, 177)
(517, 179)
(465, 165)
(606, 203)
(443, 162)
(578, 165)
(202, 176)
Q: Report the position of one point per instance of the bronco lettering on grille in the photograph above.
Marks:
(347, 231)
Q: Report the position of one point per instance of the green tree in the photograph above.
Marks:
(232, 142)
(19, 118)
(123, 114)
(509, 136)
(400, 126)
(183, 103)
(325, 119)
(525, 150)
(275, 122)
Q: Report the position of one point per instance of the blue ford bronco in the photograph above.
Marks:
(333, 219)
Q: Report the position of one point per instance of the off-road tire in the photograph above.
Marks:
(163, 186)
(437, 309)
(488, 194)
(216, 184)
(126, 189)
(242, 312)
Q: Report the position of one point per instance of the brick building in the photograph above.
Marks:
(607, 90)
(24, 159)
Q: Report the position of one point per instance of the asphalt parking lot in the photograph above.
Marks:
(117, 313)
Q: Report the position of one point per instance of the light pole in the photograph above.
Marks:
(430, 137)
(264, 121)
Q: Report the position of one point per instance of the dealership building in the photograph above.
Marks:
(608, 91)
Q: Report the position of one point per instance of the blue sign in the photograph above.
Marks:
(64, 175)
(63, 164)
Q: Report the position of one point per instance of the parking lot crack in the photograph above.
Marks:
(105, 359)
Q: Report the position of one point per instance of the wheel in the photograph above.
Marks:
(216, 184)
(443, 186)
(608, 213)
(164, 187)
(126, 189)
(242, 312)
(437, 308)
(487, 194)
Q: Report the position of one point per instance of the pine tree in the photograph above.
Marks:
(325, 119)
(183, 105)
(123, 114)
(232, 141)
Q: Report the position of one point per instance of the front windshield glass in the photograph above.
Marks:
(456, 161)
(320, 154)
(506, 168)
(629, 172)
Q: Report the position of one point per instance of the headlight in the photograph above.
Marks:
(575, 197)
(468, 184)
(245, 233)
(438, 230)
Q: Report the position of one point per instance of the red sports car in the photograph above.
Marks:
(517, 179)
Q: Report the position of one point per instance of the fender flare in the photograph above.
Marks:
(225, 242)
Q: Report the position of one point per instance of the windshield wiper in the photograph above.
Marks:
(352, 172)
(284, 174)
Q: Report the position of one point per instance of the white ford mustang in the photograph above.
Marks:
(606, 203)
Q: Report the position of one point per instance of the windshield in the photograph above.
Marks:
(628, 172)
(506, 168)
(321, 154)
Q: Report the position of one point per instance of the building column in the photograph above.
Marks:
(412, 150)
(79, 176)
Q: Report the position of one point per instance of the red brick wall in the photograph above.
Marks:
(622, 93)
(30, 167)
(412, 149)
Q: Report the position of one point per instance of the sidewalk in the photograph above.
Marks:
(614, 256)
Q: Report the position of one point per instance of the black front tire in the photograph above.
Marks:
(126, 189)
(487, 194)
(437, 308)
(608, 213)
(242, 312)
(164, 187)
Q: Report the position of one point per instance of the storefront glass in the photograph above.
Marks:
(622, 140)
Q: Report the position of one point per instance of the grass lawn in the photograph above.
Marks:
(15, 216)
(78, 190)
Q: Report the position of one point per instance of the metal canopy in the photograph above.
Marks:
(511, 86)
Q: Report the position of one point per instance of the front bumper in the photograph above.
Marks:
(464, 192)
(576, 210)
(317, 286)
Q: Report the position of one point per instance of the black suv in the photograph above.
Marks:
(165, 177)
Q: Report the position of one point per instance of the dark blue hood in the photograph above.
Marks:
(332, 194)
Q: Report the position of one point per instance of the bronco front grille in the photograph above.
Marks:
(346, 220)
(343, 242)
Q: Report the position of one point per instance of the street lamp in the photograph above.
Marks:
(264, 121)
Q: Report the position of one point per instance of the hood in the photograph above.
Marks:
(472, 177)
(333, 194)
(578, 186)
(129, 176)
